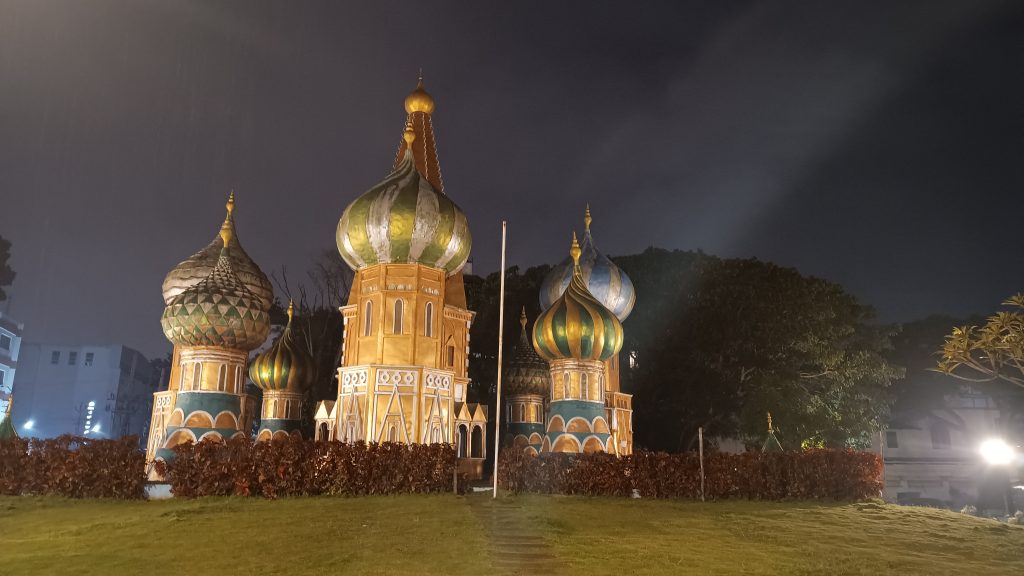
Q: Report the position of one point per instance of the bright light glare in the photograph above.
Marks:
(96, 428)
(996, 451)
(28, 425)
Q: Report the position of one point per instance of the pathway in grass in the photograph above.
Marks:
(513, 542)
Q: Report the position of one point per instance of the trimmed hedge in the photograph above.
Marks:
(73, 467)
(297, 467)
(816, 474)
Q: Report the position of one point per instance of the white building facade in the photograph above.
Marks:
(93, 391)
(10, 347)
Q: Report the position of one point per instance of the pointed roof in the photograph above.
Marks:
(771, 443)
(526, 372)
(419, 106)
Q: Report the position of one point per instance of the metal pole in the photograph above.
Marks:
(501, 331)
(700, 445)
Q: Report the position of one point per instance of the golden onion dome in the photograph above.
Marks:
(419, 100)
(403, 219)
(577, 326)
(218, 311)
(285, 365)
(526, 372)
(199, 265)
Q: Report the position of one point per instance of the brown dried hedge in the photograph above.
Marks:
(816, 474)
(73, 467)
(296, 467)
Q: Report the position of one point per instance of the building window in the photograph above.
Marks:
(428, 320)
(940, 436)
(197, 375)
(392, 433)
(2, 375)
(72, 358)
(5, 341)
(367, 318)
(399, 316)
(522, 412)
(891, 439)
(451, 355)
(287, 409)
(55, 357)
(88, 358)
(239, 382)
(222, 378)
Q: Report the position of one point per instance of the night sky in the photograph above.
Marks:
(878, 145)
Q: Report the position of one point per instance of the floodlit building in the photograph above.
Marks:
(613, 291)
(578, 335)
(282, 371)
(217, 311)
(10, 346)
(92, 391)
(404, 369)
(934, 459)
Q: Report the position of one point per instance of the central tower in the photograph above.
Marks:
(404, 367)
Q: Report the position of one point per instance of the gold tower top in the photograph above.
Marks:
(419, 100)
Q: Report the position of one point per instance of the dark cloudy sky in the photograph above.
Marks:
(876, 144)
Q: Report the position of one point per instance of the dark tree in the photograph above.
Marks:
(318, 324)
(6, 273)
(717, 343)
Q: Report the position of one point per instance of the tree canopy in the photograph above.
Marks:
(717, 343)
(990, 357)
(6, 272)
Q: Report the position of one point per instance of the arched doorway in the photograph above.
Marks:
(462, 441)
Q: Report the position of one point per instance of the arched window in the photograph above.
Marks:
(584, 388)
(435, 435)
(239, 384)
(222, 378)
(451, 355)
(477, 444)
(428, 320)
(197, 375)
(522, 412)
(287, 409)
(565, 385)
(181, 378)
(321, 432)
(399, 316)
(460, 441)
(367, 318)
(392, 433)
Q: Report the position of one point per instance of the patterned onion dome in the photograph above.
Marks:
(404, 219)
(283, 366)
(218, 311)
(606, 281)
(199, 265)
(577, 325)
(526, 372)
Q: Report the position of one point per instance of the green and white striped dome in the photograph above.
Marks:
(403, 219)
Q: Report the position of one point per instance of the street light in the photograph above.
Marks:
(997, 452)
(28, 425)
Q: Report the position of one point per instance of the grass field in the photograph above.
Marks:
(445, 535)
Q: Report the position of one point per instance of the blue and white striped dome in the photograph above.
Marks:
(605, 281)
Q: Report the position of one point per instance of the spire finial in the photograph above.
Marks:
(291, 310)
(770, 423)
(575, 251)
(227, 229)
(409, 135)
(421, 77)
(586, 218)
(522, 318)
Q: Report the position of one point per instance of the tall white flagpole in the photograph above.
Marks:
(501, 332)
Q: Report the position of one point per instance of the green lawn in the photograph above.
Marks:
(447, 535)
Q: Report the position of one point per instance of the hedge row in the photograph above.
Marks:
(73, 467)
(816, 474)
(296, 467)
